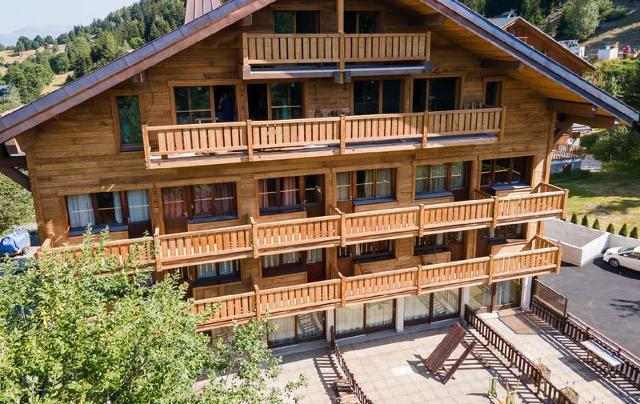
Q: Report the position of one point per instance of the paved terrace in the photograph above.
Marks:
(388, 367)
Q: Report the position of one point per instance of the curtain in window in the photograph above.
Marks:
(384, 183)
(289, 191)
(173, 203)
(438, 176)
(291, 258)
(80, 211)
(206, 271)
(225, 198)
(457, 176)
(349, 319)
(314, 256)
(364, 184)
(202, 200)
(138, 206)
(343, 186)
(264, 194)
(117, 207)
(227, 267)
(380, 314)
(422, 176)
(416, 307)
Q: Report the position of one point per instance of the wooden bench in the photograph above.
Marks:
(595, 350)
(443, 351)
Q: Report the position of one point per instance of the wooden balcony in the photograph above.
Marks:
(259, 239)
(330, 54)
(539, 257)
(223, 143)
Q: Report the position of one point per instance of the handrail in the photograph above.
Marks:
(355, 387)
(516, 358)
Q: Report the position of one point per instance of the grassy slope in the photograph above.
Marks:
(612, 196)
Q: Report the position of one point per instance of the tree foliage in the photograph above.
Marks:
(71, 334)
(620, 78)
(29, 78)
(596, 224)
(17, 203)
(624, 230)
(611, 228)
(585, 221)
(581, 18)
(480, 6)
(619, 145)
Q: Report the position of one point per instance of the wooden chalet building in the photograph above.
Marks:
(363, 164)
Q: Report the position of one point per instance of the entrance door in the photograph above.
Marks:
(139, 220)
(174, 206)
(313, 195)
(315, 265)
(258, 101)
(225, 103)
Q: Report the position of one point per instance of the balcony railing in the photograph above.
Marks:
(288, 49)
(542, 257)
(221, 143)
(267, 238)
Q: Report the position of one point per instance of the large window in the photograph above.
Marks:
(279, 194)
(296, 22)
(432, 307)
(129, 122)
(360, 22)
(432, 243)
(364, 185)
(281, 264)
(377, 97)
(504, 172)
(207, 201)
(493, 94)
(219, 272)
(439, 178)
(365, 317)
(103, 209)
(436, 94)
(374, 251)
(301, 328)
(203, 104)
(275, 101)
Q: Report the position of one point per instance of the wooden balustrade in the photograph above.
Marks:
(334, 293)
(218, 142)
(139, 250)
(225, 309)
(278, 49)
(267, 238)
(519, 207)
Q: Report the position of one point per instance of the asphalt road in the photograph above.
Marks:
(606, 298)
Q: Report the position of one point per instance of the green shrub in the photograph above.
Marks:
(596, 224)
(611, 229)
(574, 218)
(624, 231)
(585, 221)
(615, 14)
(634, 232)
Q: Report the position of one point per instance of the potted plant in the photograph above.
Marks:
(571, 394)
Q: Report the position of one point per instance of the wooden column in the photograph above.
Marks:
(340, 15)
(471, 236)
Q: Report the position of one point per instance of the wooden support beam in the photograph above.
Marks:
(247, 21)
(16, 176)
(139, 78)
(572, 108)
(561, 128)
(430, 20)
(340, 14)
(511, 65)
(596, 121)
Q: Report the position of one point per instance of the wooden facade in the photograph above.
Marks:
(326, 204)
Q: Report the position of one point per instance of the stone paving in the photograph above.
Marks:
(566, 360)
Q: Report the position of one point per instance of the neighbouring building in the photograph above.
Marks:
(357, 164)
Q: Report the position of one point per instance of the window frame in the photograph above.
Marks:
(295, 20)
(211, 84)
(301, 265)
(500, 95)
(449, 190)
(115, 117)
(427, 91)
(218, 279)
(279, 209)
(268, 85)
(380, 106)
(524, 181)
(358, 15)
(376, 255)
(353, 176)
(188, 192)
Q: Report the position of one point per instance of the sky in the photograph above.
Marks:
(19, 14)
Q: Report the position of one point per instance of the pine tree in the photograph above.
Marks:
(585, 221)
(596, 224)
(624, 232)
(611, 228)
(581, 18)
(634, 232)
(532, 11)
(574, 218)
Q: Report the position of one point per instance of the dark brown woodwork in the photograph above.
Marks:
(572, 108)
(445, 348)
(502, 64)
(431, 20)
(10, 166)
(467, 351)
(597, 121)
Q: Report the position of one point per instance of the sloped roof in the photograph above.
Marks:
(198, 8)
(200, 28)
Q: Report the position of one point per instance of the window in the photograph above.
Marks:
(377, 96)
(359, 22)
(439, 178)
(507, 171)
(436, 94)
(275, 101)
(493, 93)
(446, 304)
(193, 105)
(129, 122)
(279, 194)
(510, 231)
(273, 265)
(436, 242)
(304, 327)
(366, 184)
(107, 209)
(218, 272)
(374, 251)
(296, 22)
(217, 201)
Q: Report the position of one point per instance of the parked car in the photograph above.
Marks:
(15, 243)
(623, 257)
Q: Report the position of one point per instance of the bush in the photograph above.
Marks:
(574, 218)
(634, 232)
(21, 212)
(585, 221)
(624, 231)
(60, 63)
(581, 18)
(596, 224)
(29, 79)
(615, 14)
(611, 228)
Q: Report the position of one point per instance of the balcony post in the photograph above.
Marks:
(343, 230)
(425, 129)
(343, 290)
(249, 130)
(145, 145)
(419, 272)
(503, 120)
(491, 268)
(254, 237)
(343, 51)
(496, 211)
(256, 289)
(343, 134)
(157, 250)
(421, 220)
(245, 49)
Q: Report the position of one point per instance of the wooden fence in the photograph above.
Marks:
(579, 331)
(516, 359)
(355, 387)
